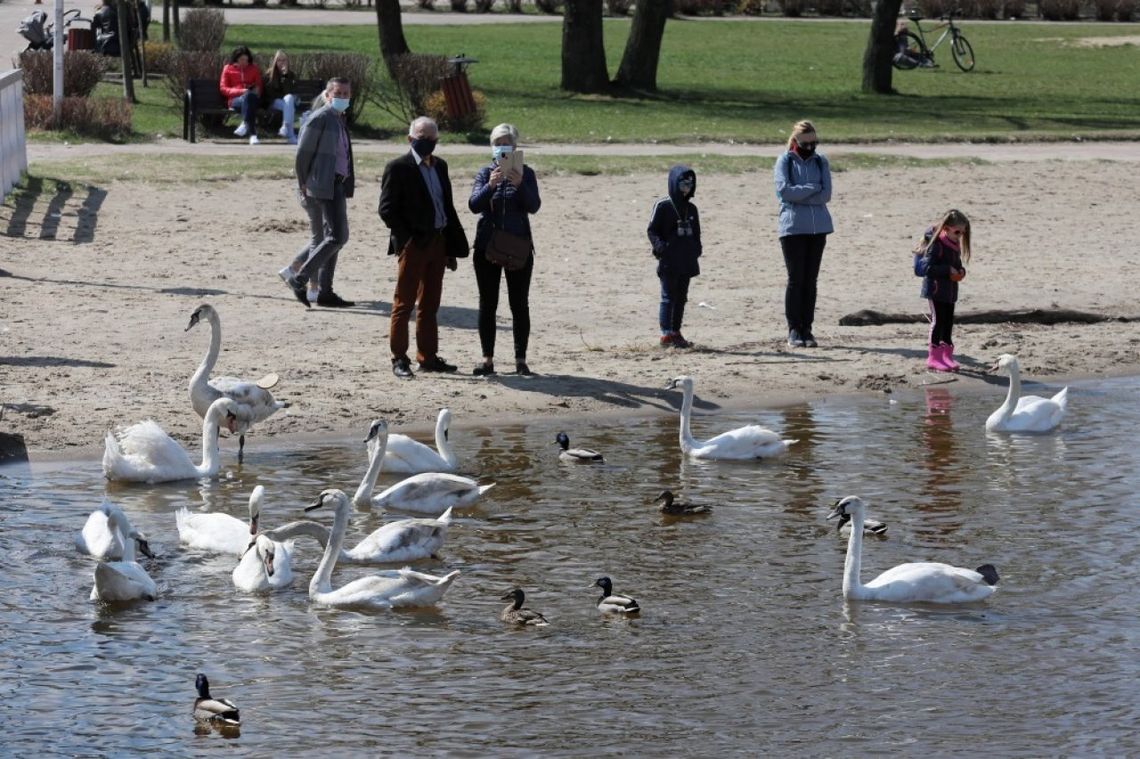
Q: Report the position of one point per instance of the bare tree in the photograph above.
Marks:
(390, 26)
(122, 10)
(638, 69)
(880, 48)
(583, 52)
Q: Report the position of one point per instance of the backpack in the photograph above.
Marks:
(919, 267)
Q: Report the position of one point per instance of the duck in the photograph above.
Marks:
(576, 455)
(870, 526)
(749, 442)
(407, 456)
(1025, 413)
(266, 565)
(402, 588)
(219, 711)
(614, 603)
(217, 532)
(678, 508)
(144, 452)
(427, 493)
(125, 579)
(517, 614)
(254, 401)
(101, 539)
(917, 582)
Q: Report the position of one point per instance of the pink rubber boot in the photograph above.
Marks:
(948, 358)
(934, 359)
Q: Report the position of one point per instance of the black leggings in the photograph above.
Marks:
(941, 322)
(487, 275)
(802, 257)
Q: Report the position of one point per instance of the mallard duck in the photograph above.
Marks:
(748, 442)
(927, 581)
(516, 614)
(101, 539)
(401, 588)
(407, 456)
(254, 401)
(124, 580)
(870, 526)
(220, 711)
(576, 455)
(1025, 413)
(614, 603)
(144, 452)
(678, 508)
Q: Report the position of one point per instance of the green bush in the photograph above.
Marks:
(82, 71)
(104, 118)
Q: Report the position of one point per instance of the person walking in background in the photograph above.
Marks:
(803, 186)
(325, 177)
(675, 236)
(241, 88)
(316, 225)
(280, 89)
(938, 259)
(416, 205)
(504, 200)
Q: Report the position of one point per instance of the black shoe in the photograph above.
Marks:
(437, 364)
(523, 369)
(332, 300)
(795, 339)
(809, 340)
(402, 368)
(484, 370)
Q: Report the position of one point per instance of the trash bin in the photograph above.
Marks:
(80, 39)
(457, 90)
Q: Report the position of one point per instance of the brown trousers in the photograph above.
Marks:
(419, 284)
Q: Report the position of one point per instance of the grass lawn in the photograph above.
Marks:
(749, 80)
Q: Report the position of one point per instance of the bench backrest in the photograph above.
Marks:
(204, 94)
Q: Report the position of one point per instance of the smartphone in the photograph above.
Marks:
(512, 160)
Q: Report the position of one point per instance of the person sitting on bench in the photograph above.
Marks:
(241, 89)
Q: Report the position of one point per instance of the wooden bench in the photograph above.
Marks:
(202, 98)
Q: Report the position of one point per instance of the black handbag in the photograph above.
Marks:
(507, 249)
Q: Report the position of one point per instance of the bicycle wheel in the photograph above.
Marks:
(963, 53)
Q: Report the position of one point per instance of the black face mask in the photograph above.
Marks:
(423, 146)
(806, 151)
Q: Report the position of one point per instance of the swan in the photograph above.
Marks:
(220, 711)
(678, 508)
(517, 614)
(425, 493)
(614, 602)
(143, 452)
(395, 542)
(407, 456)
(123, 580)
(925, 581)
(219, 532)
(255, 402)
(749, 442)
(576, 455)
(404, 587)
(101, 539)
(266, 565)
(1025, 413)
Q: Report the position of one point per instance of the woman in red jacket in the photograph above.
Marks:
(241, 87)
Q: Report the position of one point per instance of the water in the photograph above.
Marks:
(744, 647)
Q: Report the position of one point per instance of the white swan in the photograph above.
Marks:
(143, 452)
(396, 542)
(1025, 413)
(402, 588)
(266, 565)
(749, 442)
(925, 581)
(576, 455)
(123, 580)
(101, 539)
(407, 456)
(255, 402)
(219, 711)
(219, 532)
(428, 493)
(614, 603)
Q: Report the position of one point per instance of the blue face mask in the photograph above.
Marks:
(423, 146)
(498, 151)
(340, 105)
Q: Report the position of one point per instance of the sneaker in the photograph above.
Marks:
(402, 368)
(436, 364)
(287, 274)
(483, 370)
(667, 341)
(332, 300)
(242, 130)
(253, 140)
(313, 295)
(809, 340)
(795, 339)
(680, 342)
(282, 132)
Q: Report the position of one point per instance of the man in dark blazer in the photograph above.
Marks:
(416, 205)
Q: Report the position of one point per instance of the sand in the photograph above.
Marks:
(96, 302)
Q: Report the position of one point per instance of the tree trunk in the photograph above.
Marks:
(125, 51)
(583, 52)
(638, 68)
(142, 42)
(390, 26)
(880, 48)
(176, 13)
(166, 20)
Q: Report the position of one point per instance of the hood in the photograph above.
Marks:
(676, 174)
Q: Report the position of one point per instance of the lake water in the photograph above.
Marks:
(744, 647)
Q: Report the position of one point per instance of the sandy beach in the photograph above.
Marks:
(95, 304)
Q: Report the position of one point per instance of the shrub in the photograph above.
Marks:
(513, 6)
(1013, 9)
(618, 7)
(426, 5)
(202, 30)
(1059, 10)
(750, 7)
(158, 55)
(1104, 10)
(701, 7)
(483, 6)
(435, 106)
(553, 7)
(355, 67)
(1125, 10)
(793, 8)
(829, 7)
(936, 8)
(459, 6)
(105, 118)
(182, 66)
(82, 70)
(981, 8)
(416, 77)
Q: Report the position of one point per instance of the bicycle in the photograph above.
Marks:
(919, 54)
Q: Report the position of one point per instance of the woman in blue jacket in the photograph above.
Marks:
(803, 185)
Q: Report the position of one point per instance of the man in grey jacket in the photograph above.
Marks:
(324, 177)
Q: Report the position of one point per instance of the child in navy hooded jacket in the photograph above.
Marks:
(675, 234)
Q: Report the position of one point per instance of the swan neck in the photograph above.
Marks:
(322, 580)
(211, 357)
(211, 459)
(687, 441)
(852, 566)
(121, 526)
(1014, 394)
(442, 444)
(363, 495)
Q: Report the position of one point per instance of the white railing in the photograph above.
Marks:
(13, 148)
